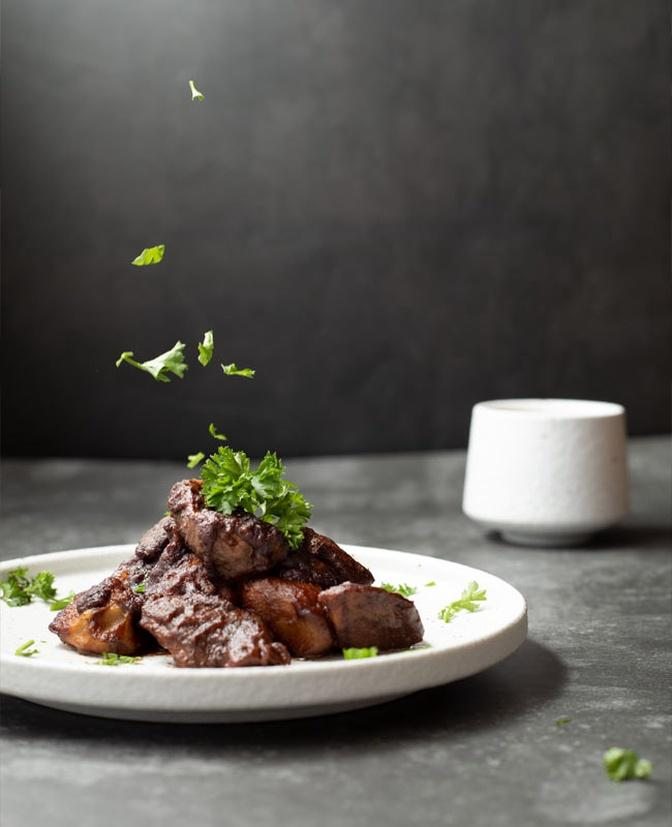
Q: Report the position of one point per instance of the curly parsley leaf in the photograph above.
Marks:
(150, 255)
(216, 434)
(42, 586)
(194, 459)
(172, 361)
(25, 651)
(19, 589)
(468, 602)
(14, 590)
(234, 370)
(403, 589)
(113, 659)
(355, 654)
(624, 765)
(230, 482)
(195, 94)
(206, 348)
(139, 588)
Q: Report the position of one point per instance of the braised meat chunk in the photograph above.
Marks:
(235, 545)
(291, 612)
(207, 630)
(105, 617)
(321, 561)
(368, 616)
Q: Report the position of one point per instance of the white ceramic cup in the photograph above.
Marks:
(546, 472)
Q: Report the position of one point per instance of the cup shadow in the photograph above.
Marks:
(525, 681)
(642, 537)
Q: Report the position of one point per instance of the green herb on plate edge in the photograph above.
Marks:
(25, 651)
(403, 589)
(19, 589)
(113, 659)
(356, 654)
(468, 602)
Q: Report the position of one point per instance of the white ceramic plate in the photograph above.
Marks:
(154, 690)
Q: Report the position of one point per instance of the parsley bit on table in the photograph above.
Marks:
(624, 765)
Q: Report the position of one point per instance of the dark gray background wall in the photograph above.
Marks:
(390, 208)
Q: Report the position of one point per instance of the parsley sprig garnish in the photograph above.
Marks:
(624, 764)
(468, 602)
(19, 589)
(230, 483)
(403, 589)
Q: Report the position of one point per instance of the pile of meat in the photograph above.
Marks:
(216, 590)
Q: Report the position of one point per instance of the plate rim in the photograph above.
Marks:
(371, 672)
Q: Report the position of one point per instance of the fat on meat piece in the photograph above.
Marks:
(291, 612)
(367, 616)
(208, 630)
(105, 617)
(321, 561)
(236, 545)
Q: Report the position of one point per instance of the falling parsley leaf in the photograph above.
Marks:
(403, 589)
(113, 659)
(195, 94)
(355, 654)
(172, 361)
(206, 348)
(25, 651)
(624, 764)
(468, 602)
(150, 255)
(230, 482)
(193, 460)
(216, 434)
(563, 722)
(234, 370)
(430, 583)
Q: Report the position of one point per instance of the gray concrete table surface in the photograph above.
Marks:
(482, 751)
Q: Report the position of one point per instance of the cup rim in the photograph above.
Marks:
(552, 408)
